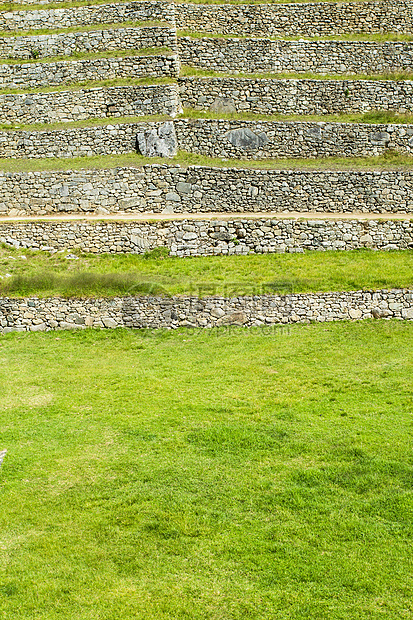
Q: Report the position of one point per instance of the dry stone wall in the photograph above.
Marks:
(38, 74)
(32, 314)
(210, 237)
(216, 138)
(270, 96)
(196, 189)
(76, 105)
(272, 139)
(93, 41)
(73, 142)
(297, 19)
(323, 57)
(113, 13)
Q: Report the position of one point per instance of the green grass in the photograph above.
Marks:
(375, 116)
(187, 71)
(12, 6)
(147, 51)
(149, 81)
(208, 475)
(90, 122)
(389, 161)
(375, 37)
(84, 28)
(40, 273)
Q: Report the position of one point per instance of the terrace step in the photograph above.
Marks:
(168, 191)
(76, 105)
(111, 13)
(323, 57)
(294, 96)
(252, 140)
(297, 19)
(209, 237)
(68, 43)
(66, 72)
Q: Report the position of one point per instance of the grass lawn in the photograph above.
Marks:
(38, 273)
(213, 475)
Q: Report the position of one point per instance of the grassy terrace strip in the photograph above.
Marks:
(188, 71)
(379, 116)
(380, 37)
(47, 275)
(17, 6)
(389, 161)
(368, 117)
(223, 474)
(93, 122)
(150, 81)
(91, 27)
(145, 51)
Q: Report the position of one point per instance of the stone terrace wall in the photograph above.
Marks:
(87, 15)
(39, 74)
(116, 101)
(296, 19)
(209, 237)
(267, 139)
(67, 43)
(216, 138)
(324, 57)
(74, 142)
(34, 314)
(197, 189)
(266, 96)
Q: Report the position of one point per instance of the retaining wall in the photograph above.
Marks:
(272, 139)
(34, 314)
(78, 105)
(215, 138)
(87, 15)
(266, 96)
(196, 189)
(39, 74)
(73, 142)
(210, 237)
(296, 19)
(93, 41)
(323, 57)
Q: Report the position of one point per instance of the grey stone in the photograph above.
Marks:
(226, 105)
(217, 313)
(159, 141)
(246, 139)
(379, 138)
(173, 196)
(184, 188)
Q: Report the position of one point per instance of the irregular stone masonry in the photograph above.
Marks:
(209, 237)
(323, 57)
(67, 43)
(296, 19)
(32, 314)
(66, 106)
(74, 142)
(41, 74)
(86, 15)
(272, 139)
(215, 138)
(199, 189)
(216, 94)
(270, 96)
